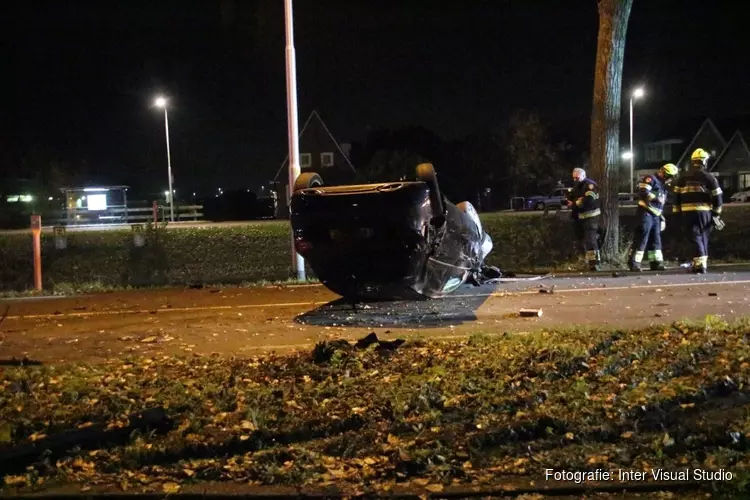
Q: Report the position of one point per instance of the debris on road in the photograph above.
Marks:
(530, 313)
(324, 351)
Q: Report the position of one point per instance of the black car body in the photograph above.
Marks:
(387, 241)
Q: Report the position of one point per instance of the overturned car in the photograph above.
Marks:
(388, 241)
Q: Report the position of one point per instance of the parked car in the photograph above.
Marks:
(740, 197)
(388, 241)
(556, 200)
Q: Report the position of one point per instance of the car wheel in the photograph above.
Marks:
(540, 206)
(308, 180)
(426, 173)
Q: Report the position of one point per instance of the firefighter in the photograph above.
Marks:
(699, 202)
(583, 199)
(652, 191)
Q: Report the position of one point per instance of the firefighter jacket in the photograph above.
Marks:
(585, 199)
(653, 194)
(698, 191)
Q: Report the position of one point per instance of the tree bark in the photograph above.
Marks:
(605, 116)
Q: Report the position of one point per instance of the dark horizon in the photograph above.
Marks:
(83, 76)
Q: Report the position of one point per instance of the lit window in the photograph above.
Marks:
(326, 159)
(97, 202)
(305, 160)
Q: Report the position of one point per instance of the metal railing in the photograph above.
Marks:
(128, 215)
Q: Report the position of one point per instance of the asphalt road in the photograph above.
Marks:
(244, 321)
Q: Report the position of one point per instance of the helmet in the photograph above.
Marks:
(579, 174)
(669, 170)
(700, 154)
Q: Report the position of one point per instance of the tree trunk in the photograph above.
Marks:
(605, 117)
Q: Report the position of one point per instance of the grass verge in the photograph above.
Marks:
(426, 415)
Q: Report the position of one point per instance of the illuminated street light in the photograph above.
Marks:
(627, 155)
(161, 102)
(637, 94)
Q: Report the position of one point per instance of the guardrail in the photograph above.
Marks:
(127, 215)
(518, 203)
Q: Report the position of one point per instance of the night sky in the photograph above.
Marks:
(82, 75)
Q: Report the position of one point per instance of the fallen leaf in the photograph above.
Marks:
(171, 487)
(247, 425)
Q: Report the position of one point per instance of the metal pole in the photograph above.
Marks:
(36, 235)
(632, 153)
(298, 263)
(169, 168)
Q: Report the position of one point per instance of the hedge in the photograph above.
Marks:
(260, 251)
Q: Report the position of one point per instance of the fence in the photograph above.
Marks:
(127, 215)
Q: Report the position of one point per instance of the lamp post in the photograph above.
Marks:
(637, 93)
(298, 263)
(161, 102)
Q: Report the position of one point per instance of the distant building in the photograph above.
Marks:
(729, 162)
(733, 165)
(319, 152)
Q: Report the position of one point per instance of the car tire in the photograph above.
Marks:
(426, 173)
(308, 180)
(539, 206)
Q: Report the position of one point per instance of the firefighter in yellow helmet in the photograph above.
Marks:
(698, 199)
(652, 191)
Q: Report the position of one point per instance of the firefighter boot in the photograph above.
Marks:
(592, 256)
(656, 260)
(635, 262)
(658, 265)
(700, 265)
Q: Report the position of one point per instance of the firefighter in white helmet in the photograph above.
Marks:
(583, 200)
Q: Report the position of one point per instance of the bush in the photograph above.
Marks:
(260, 251)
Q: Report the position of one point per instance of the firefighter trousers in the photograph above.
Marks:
(699, 225)
(647, 237)
(587, 234)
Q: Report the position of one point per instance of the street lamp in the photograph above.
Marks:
(637, 94)
(298, 263)
(161, 102)
(627, 155)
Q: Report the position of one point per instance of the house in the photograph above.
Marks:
(709, 138)
(320, 152)
(670, 135)
(733, 165)
(729, 161)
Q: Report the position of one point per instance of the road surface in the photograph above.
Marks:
(245, 321)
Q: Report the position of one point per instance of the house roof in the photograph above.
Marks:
(737, 137)
(708, 123)
(304, 127)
